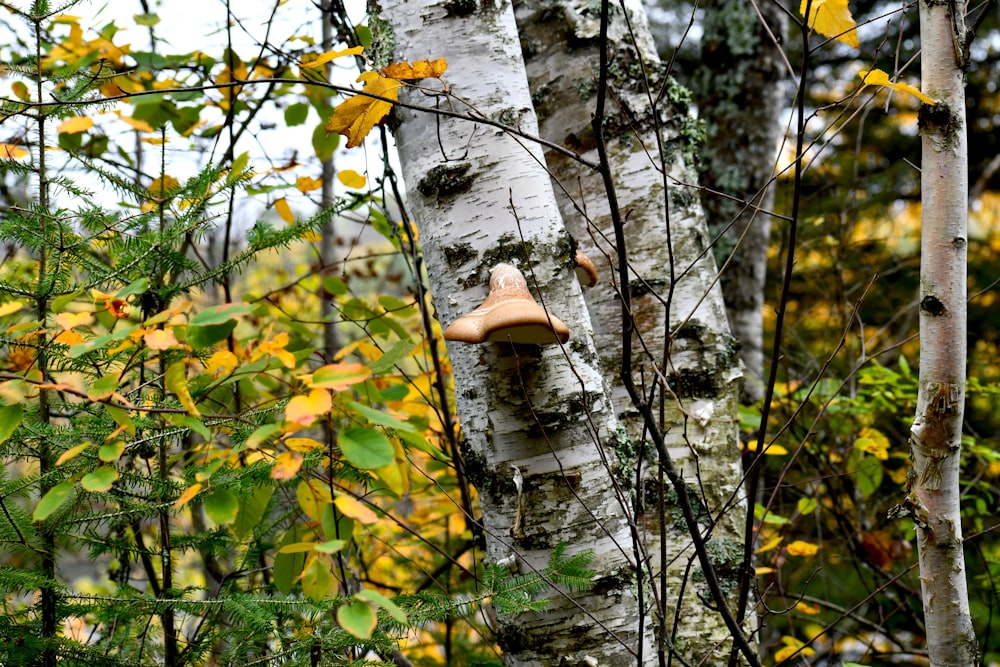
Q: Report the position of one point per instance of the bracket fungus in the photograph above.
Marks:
(586, 272)
(509, 314)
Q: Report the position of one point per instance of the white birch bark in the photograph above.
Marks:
(937, 428)
(672, 279)
(535, 420)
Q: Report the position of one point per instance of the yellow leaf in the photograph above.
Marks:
(303, 410)
(10, 307)
(355, 117)
(313, 496)
(877, 77)
(11, 151)
(21, 90)
(140, 125)
(303, 444)
(874, 442)
(800, 548)
(760, 571)
(308, 184)
(421, 69)
(284, 210)
(286, 465)
(71, 453)
(326, 57)
(221, 363)
(175, 380)
(76, 125)
(351, 179)
(339, 376)
(71, 320)
(188, 494)
(806, 608)
(770, 545)
(160, 339)
(355, 509)
(831, 18)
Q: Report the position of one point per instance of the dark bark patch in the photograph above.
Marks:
(941, 120)
(460, 7)
(932, 306)
(459, 254)
(446, 180)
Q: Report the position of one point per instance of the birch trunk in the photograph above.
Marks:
(536, 421)
(680, 327)
(936, 434)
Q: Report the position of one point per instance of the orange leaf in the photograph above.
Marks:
(308, 184)
(140, 125)
(421, 69)
(800, 548)
(11, 151)
(286, 465)
(188, 494)
(284, 210)
(355, 117)
(304, 409)
(76, 125)
(160, 339)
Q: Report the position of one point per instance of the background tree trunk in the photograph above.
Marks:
(740, 95)
(680, 329)
(536, 421)
(936, 434)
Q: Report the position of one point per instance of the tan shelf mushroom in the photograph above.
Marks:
(586, 272)
(509, 314)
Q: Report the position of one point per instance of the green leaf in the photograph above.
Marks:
(200, 337)
(222, 506)
(10, 419)
(252, 510)
(150, 19)
(316, 581)
(111, 451)
(60, 302)
(330, 547)
(807, 505)
(258, 437)
(136, 287)
(120, 415)
(358, 619)
(103, 388)
(296, 114)
(389, 358)
(191, 423)
(380, 418)
(770, 517)
(221, 313)
(52, 499)
(324, 144)
(287, 567)
(100, 480)
(366, 448)
(380, 600)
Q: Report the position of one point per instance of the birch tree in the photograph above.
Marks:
(683, 358)
(936, 434)
(537, 421)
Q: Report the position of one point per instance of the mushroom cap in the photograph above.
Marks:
(509, 314)
(586, 272)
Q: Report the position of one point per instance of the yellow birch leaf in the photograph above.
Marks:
(770, 545)
(421, 69)
(71, 320)
(221, 363)
(877, 77)
(286, 465)
(72, 453)
(327, 56)
(175, 380)
(76, 125)
(355, 509)
(308, 184)
(351, 179)
(355, 117)
(800, 548)
(831, 18)
(188, 494)
(313, 497)
(303, 410)
(303, 444)
(12, 151)
(140, 125)
(284, 210)
(21, 90)
(160, 339)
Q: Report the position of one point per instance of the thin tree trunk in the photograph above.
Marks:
(936, 434)
(537, 422)
(679, 321)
